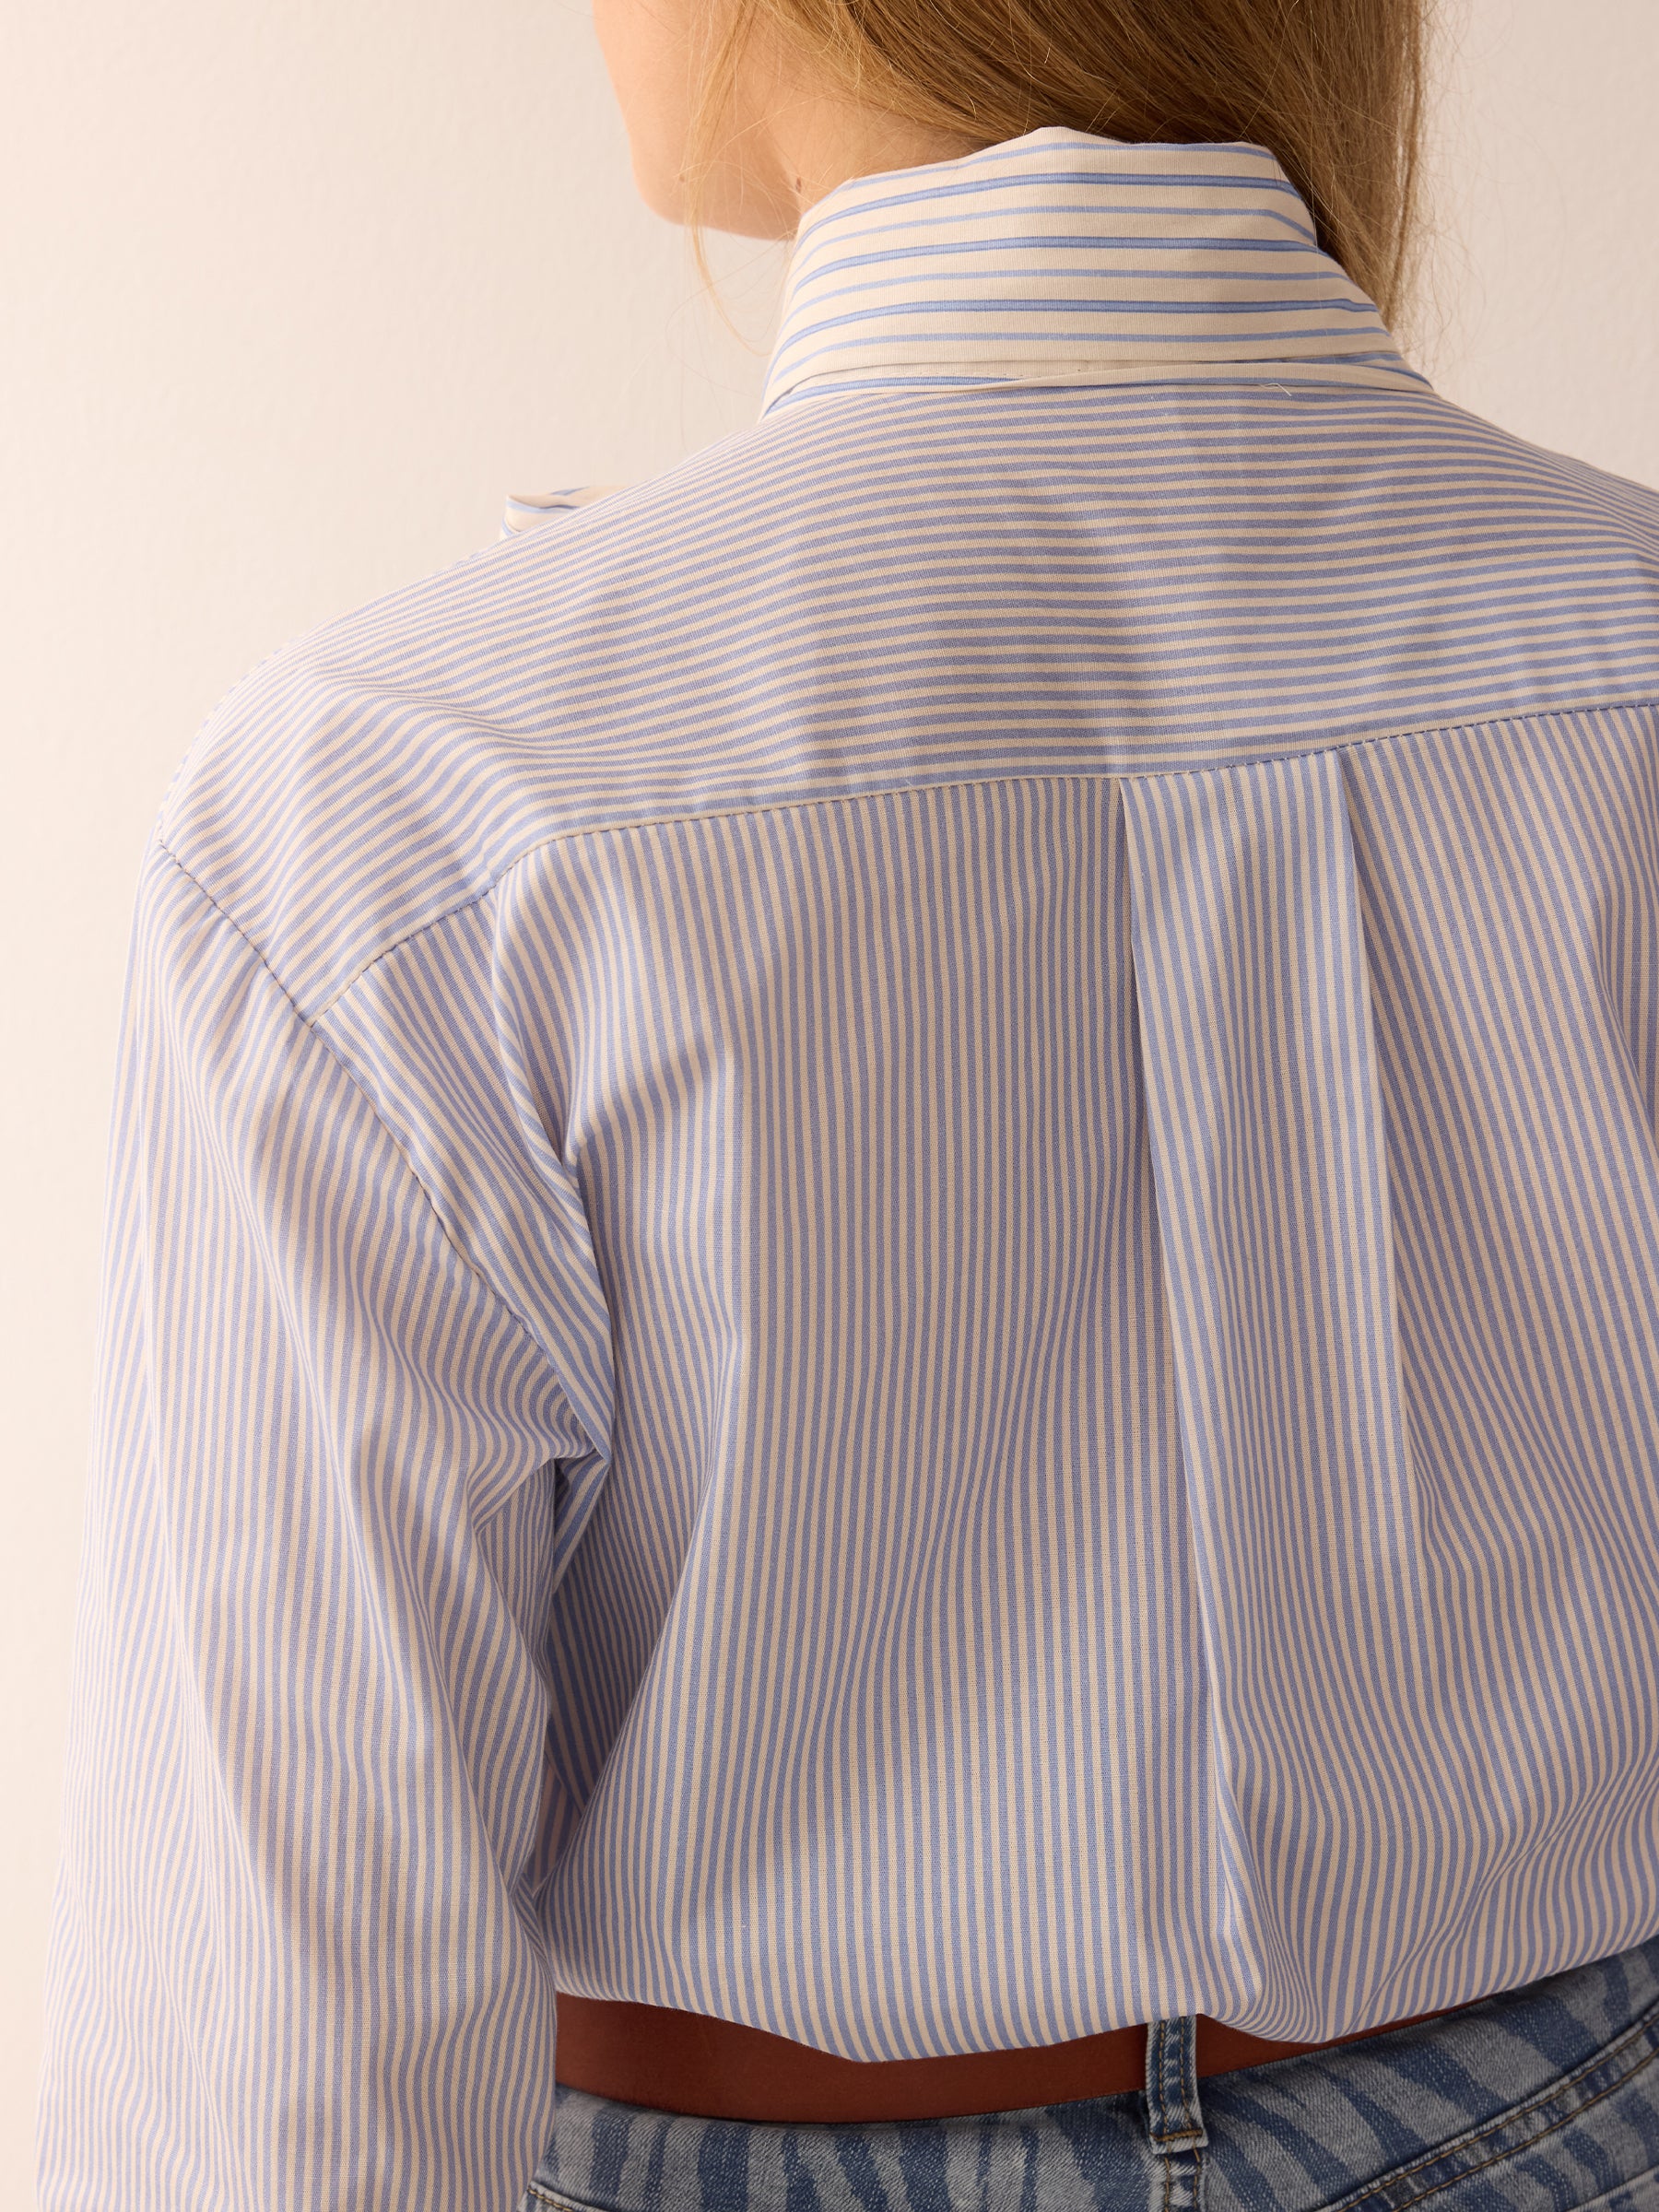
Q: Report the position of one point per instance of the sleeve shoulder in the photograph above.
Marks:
(295, 1954)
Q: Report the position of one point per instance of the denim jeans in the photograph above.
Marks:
(1543, 2099)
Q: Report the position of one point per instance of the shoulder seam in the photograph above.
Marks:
(322, 1037)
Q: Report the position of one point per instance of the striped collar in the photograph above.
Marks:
(1063, 257)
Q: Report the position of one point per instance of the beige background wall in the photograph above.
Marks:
(294, 294)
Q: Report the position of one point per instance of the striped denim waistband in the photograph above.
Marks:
(1544, 2097)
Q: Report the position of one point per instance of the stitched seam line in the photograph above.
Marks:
(1174, 2048)
(1278, 371)
(1542, 2135)
(865, 798)
(1512, 2116)
(321, 1037)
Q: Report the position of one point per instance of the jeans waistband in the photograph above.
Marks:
(1544, 2092)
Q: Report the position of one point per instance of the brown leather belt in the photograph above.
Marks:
(687, 2061)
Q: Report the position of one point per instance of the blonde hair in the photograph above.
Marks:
(1333, 88)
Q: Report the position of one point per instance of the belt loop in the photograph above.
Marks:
(1174, 2116)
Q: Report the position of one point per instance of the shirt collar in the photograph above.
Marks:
(1064, 257)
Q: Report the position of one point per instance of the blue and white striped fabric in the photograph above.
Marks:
(1062, 254)
(883, 1234)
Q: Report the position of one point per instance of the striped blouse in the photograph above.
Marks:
(882, 1239)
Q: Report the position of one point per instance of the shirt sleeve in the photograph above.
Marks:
(296, 1957)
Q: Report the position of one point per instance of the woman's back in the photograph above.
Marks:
(976, 1085)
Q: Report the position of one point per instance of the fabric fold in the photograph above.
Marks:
(1271, 1174)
